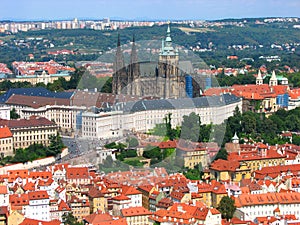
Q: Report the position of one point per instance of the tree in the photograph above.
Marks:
(14, 114)
(190, 127)
(170, 133)
(222, 154)
(56, 145)
(132, 142)
(226, 207)
(70, 219)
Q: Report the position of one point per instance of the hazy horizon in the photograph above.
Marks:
(35, 10)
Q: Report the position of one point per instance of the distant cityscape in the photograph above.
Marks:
(146, 134)
(107, 24)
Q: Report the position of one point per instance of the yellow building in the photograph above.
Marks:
(192, 154)
(262, 156)
(15, 217)
(136, 215)
(35, 79)
(146, 190)
(79, 207)
(97, 200)
(225, 170)
(218, 191)
(204, 189)
(6, 141)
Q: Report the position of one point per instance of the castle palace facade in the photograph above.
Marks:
(162, 79)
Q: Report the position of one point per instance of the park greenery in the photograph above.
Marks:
(35, 151)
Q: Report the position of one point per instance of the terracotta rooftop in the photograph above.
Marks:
(5, 132)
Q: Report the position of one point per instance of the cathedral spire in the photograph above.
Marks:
(119, 75)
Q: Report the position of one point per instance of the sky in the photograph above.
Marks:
(146, 9)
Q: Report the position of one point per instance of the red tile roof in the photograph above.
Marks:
(63, 206)
(121, 198)
(3, 190)
(28, 221)
(129, 190)
(135, 211)
(77, 173)
(98, 217)
(38, 195)
(225, 165)
(5, 132)
(267, 199)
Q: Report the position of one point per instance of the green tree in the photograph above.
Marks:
(132, 142)
(249, 123)
(190, 127)
(226, 207)
(151, 152)
(222, 154)
(55, 146)
(14, 114)
(70, 219)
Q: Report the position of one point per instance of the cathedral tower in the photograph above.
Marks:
(120, 79)
(134, 71)
(168, 67)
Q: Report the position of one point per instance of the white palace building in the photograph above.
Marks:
(143, 115)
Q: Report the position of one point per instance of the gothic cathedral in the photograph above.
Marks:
(164, 80)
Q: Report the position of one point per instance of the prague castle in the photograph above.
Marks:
(162, 79)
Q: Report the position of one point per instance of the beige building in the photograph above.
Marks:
(58, 110)
(29, 131)
(136, 215)
(6, 141)
(35, 79)
(192, 153)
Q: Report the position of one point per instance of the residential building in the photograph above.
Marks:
(79, 207)
(136, 215)
(251, 206)
(78, 175)
(187, 214)
(29, 131)
(6, 141)
(4, 195)
(225, 170)
(97, 200)
(192, 154)
(38, 206)
(262, 156)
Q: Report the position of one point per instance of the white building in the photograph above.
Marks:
(143, 115)
(4, 196)
(258, 205)
(104, 153)
(38, 206)
(4, 112)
